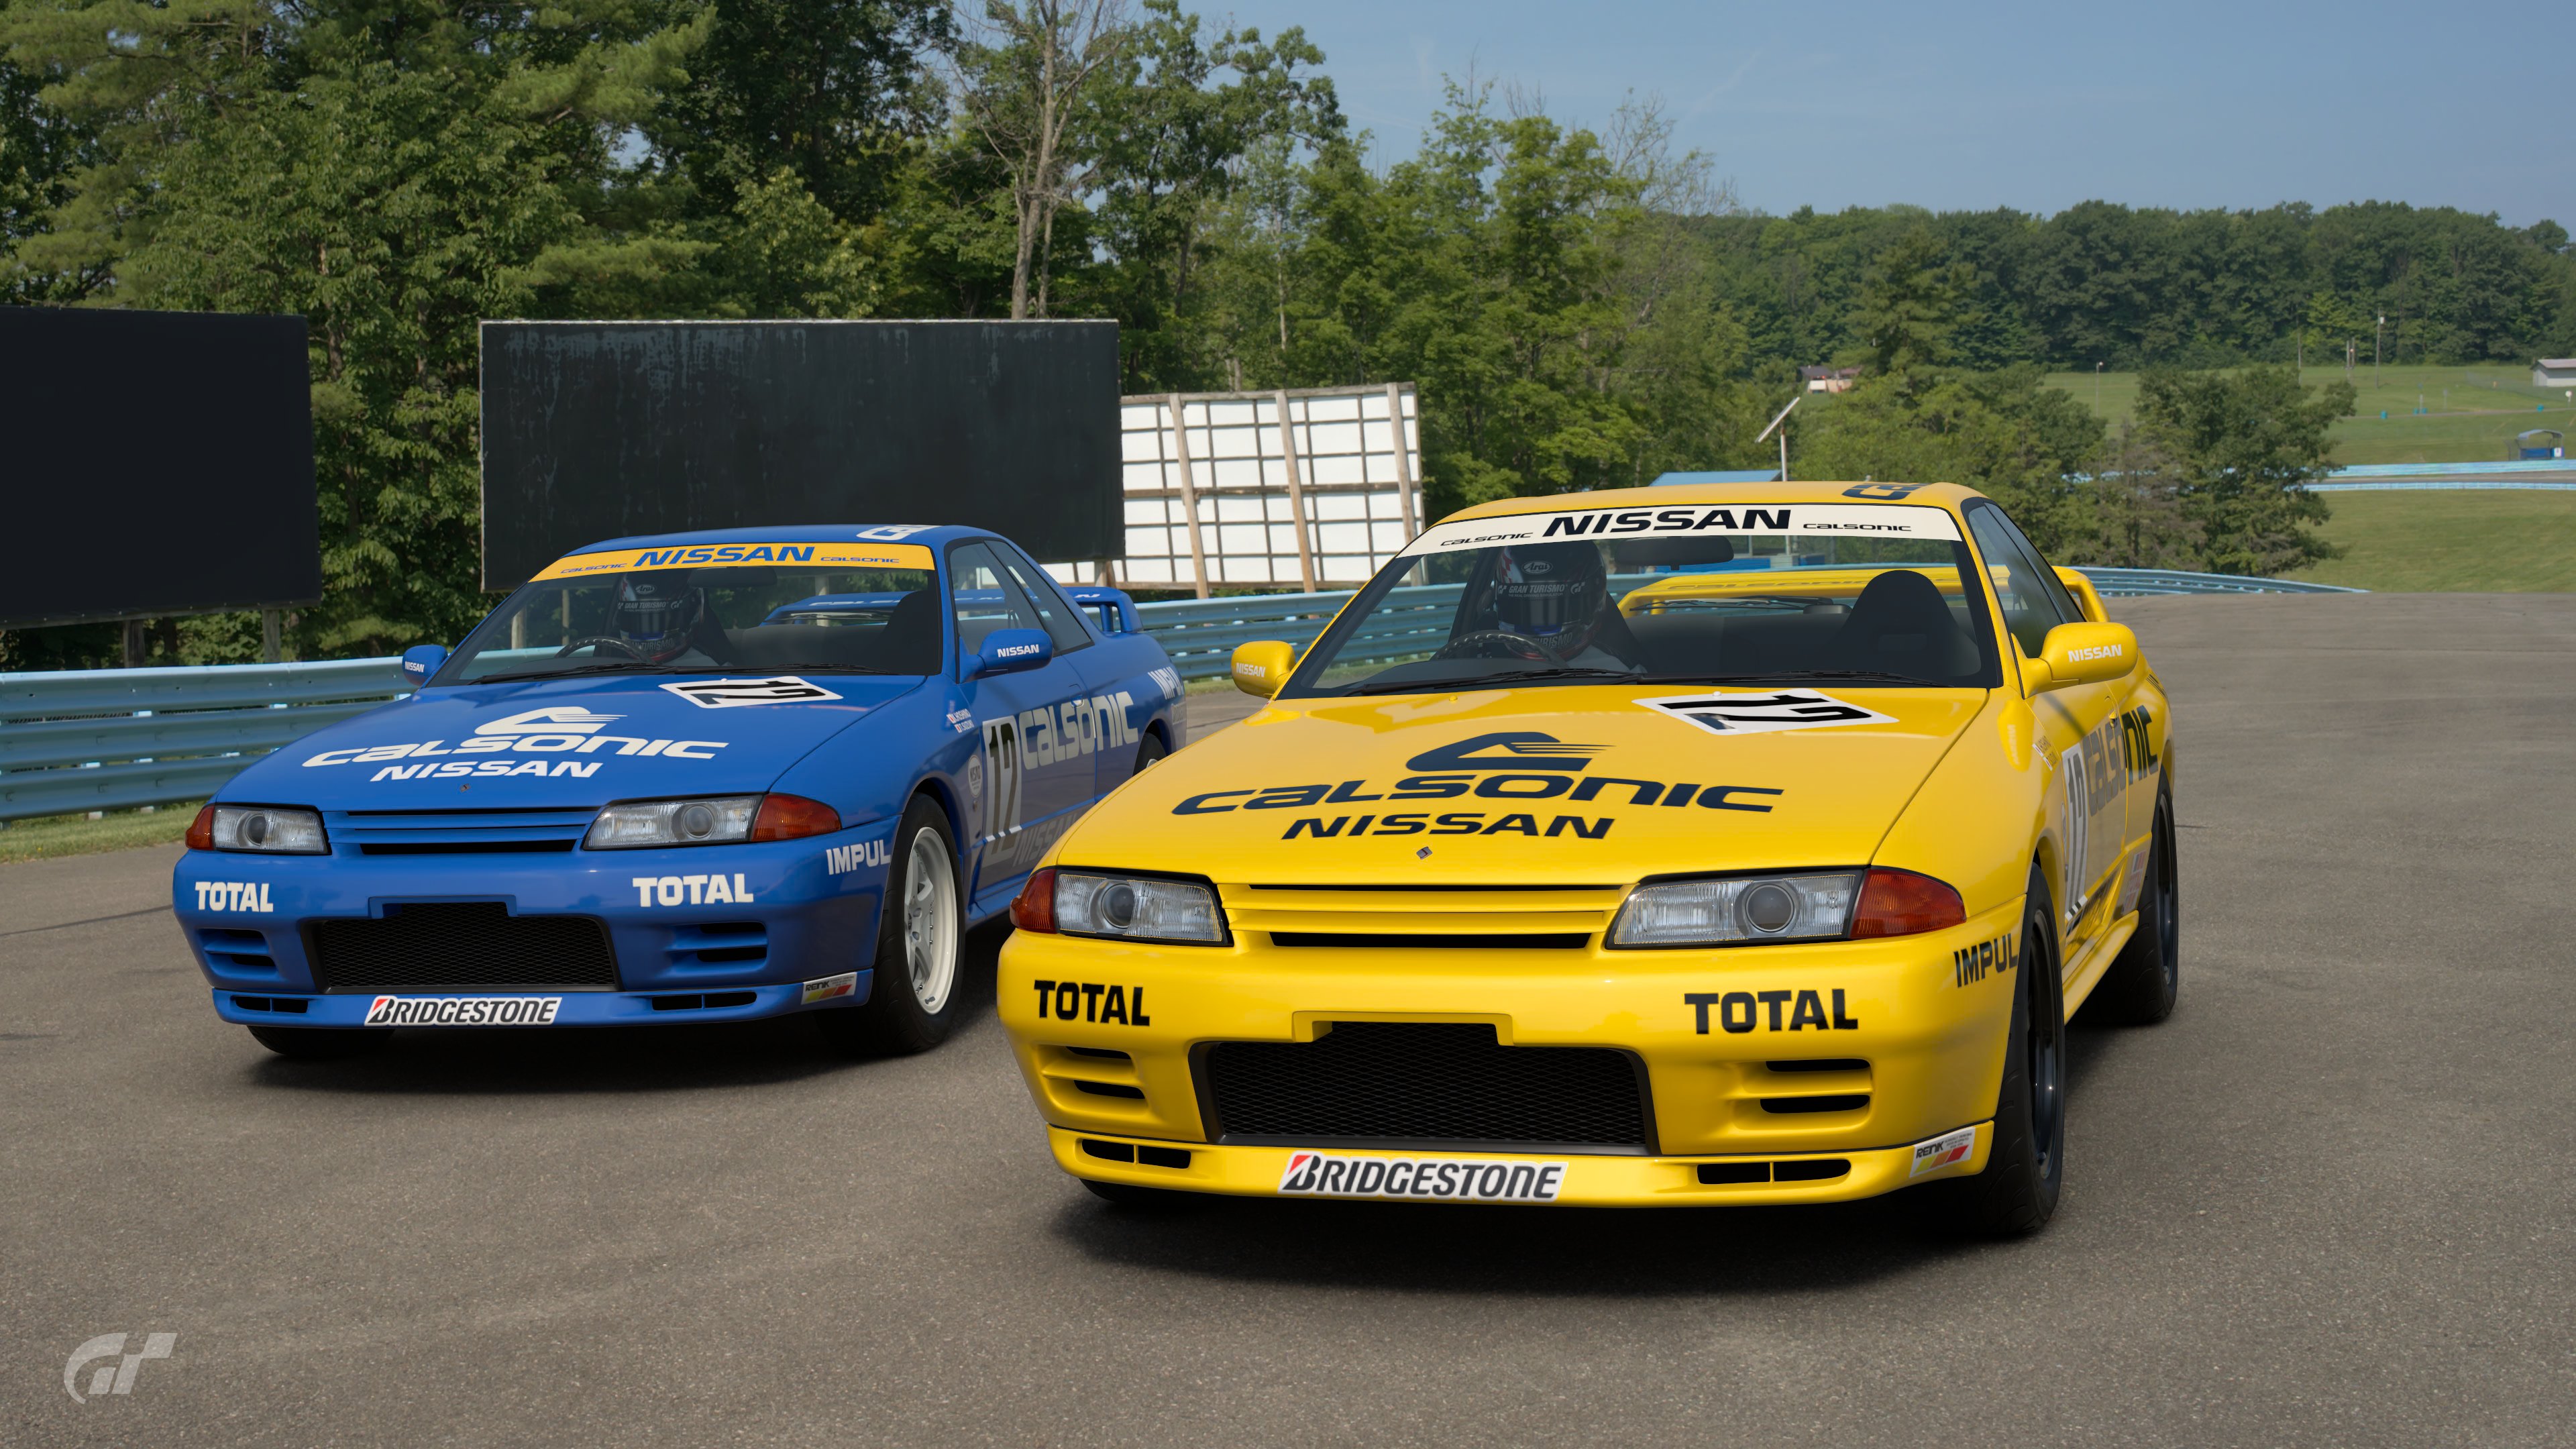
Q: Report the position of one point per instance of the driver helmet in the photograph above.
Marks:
(1550, 591)
(658, 613)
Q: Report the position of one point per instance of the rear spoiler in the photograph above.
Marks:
(1116, 611)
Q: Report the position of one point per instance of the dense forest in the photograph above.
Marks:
(1580, 307)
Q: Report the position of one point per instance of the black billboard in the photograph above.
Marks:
(159, 463)
(598, 430)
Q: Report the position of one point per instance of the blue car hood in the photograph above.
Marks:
(566, 743)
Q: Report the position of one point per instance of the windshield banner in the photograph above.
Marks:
(1858, 520)
(741, 555)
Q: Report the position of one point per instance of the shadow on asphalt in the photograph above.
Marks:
(1576, 1251)
(657, 1058)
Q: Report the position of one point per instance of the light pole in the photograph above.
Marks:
(1784, 433)
(2374, 351)
(2097, 389)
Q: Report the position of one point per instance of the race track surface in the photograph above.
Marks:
(2328, 1203)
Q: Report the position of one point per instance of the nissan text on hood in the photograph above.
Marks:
(690, 778)
(1678, 846)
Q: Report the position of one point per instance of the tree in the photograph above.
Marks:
(1911, 305)
(1022, 83)
(833, 92)
(2245, 446)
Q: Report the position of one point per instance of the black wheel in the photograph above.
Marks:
(2140, 987)
(921, 942)
(1148, 752)
(2017, 1193)
(313, 1043)
(1142, 1199)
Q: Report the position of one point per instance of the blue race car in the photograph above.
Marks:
(699, 777)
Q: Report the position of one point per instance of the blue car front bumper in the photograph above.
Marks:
(606, 937)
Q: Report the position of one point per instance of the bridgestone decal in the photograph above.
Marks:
(463, 1010)
(1434, 1179)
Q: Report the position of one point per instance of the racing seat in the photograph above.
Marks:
(1901, 625)
(909, 642)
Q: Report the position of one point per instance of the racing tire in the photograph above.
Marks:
(2140, 987)
(921, 947)
(1148, 753)
(312, 1043)
(1142, 1199)
(2017, 1193)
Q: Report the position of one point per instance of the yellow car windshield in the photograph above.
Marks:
(1775, 607)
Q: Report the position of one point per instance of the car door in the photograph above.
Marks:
(2080, 726)
(1035, 774)
(1108, 723)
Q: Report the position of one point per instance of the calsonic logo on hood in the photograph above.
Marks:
(554, 730)
(1758, 711)
(1912, 520)
(736, 693)
(1516, 767)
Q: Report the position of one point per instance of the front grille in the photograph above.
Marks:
(1425, 1084)
(470, 945)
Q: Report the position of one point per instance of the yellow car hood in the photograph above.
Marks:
(1573, 785)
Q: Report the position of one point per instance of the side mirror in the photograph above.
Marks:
(1011, 651)
(1261, 667)
(421, 661)
(2083, 654)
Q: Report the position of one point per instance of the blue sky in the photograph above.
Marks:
(2029, 106)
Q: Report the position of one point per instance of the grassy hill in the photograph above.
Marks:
(2453, 541)
(2470, 413)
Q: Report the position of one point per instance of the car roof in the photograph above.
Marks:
(927, 535)
(1948, 495)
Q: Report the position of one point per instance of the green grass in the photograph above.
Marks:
(57, 835)
(2506, 541)
(2473, 412)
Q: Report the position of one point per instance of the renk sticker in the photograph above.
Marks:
(463, 1010)
(831, 987)
(1947, 1150)
(736, 693)
(1437, 1179)
(1758, 711)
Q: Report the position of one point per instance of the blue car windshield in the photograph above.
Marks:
(730, 619)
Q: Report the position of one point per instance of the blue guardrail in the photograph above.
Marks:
(113, 739)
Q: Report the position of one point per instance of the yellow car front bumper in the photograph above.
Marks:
(1750, 1060)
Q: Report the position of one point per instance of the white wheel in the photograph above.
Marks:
(930, 921)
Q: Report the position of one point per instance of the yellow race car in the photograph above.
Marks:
(1667, 847)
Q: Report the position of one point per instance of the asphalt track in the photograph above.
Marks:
(2328, 1203)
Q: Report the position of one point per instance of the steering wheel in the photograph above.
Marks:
(608, 640)
(1492, 644)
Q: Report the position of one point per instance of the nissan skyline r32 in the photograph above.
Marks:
(1698, 845)
(686, 778)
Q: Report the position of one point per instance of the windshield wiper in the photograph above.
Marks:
(1517, 676)
(1785, 676)
(622, 666)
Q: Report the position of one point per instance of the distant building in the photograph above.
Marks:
(2548, 372)
(1840, 379)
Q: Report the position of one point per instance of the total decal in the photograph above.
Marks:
(1925, 521)
(1437, 1179)
(691, 890)
(463, 1010)
(1740, 1012)
(1507, 766)
(562, 729)
(234, 895)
